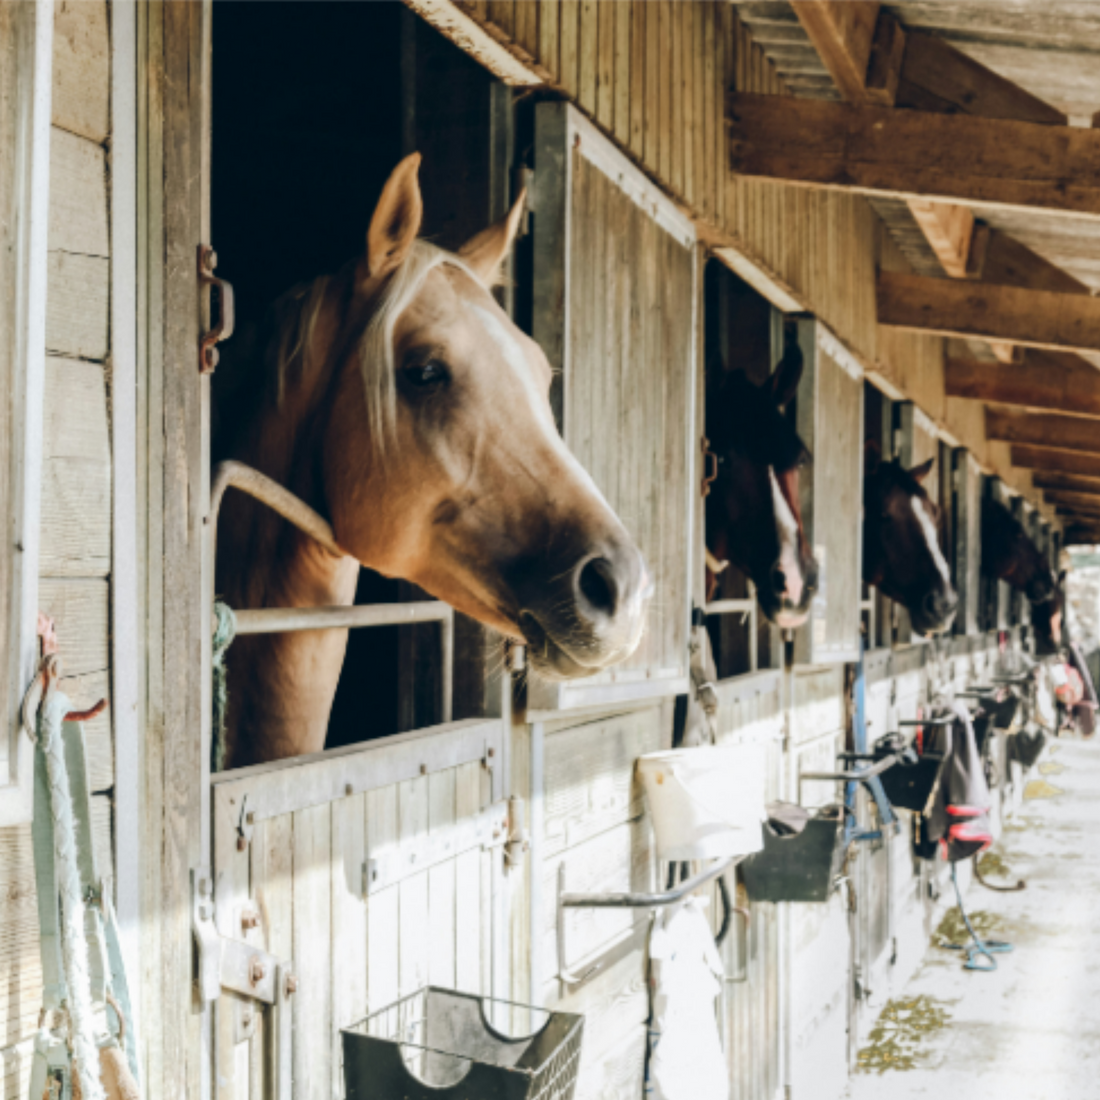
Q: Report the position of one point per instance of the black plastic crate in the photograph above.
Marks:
(438, 1044)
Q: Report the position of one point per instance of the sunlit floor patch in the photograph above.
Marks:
(1051, 767)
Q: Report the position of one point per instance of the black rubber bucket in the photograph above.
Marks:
(798, 868)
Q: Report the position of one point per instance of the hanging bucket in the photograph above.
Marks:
(803, 867)
(706, 802)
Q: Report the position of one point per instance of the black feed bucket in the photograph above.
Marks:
(908, 786)
(437, 1044)
(801, 867)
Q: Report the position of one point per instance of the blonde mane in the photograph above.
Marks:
(297, 312)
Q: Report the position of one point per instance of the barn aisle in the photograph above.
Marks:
(1030, 1031)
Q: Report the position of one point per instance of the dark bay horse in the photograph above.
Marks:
(753, 515)
(1009, 554)
(902, 556)
(400, 401)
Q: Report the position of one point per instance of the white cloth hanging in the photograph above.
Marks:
(686, 1061)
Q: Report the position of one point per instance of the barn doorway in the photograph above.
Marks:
(313, 106)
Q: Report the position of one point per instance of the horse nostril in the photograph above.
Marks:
(779, 580)
(598, 585)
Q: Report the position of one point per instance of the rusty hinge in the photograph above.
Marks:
(208, 352)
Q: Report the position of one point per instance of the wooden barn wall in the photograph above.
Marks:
(654, 74)
(76, 481)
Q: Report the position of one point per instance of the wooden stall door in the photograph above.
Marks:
(374, 870)
(614, 285)
(830, 421)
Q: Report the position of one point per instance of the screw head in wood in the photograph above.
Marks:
(242, 843)
(250, 919)
(256, 970)
(291, 984)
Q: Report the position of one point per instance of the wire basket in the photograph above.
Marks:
(437, 1044)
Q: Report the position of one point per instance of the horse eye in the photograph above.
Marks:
(426, 375)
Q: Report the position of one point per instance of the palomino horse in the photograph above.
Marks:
(1009, 554)
(901, 543)
(753, 516)
(402, 404)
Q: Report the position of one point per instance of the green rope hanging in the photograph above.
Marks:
(224, 633)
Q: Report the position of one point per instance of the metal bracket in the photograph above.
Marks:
(225, 962)
(491, 828)
(568, 900)
(208, 352)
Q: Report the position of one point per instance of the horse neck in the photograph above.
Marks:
(282, 685)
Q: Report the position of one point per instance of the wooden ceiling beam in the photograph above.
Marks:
(1042, 380)
(1065, 433)
(1075, 484)
(1079, 502)
(842, 32)
(915, 154)
(1045, 458)
(987, 311)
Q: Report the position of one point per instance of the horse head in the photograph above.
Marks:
(1009, 554)
(901, 543)
(755, 518)
(440, 461)
(1046, 621)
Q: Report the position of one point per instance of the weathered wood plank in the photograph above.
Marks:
(987, 311)
(605, 66)
(349, 919)
(75, 411)
(876, 150)
(20, 966)
(77, 305)
(589, 776)
(382, 907)
(79, 607)
(80, 100)
(467, 924)
(443, 946)
(588, 41)
(78, 195)
(75, 518)
(313, 949)
(1066, 433)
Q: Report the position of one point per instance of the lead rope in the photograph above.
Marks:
(74, 945)
(225, 630)
(979, 947)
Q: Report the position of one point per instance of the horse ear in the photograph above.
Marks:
(396, 221)
(919, 473)
(788, 373)
(872, 457)
(484, 254)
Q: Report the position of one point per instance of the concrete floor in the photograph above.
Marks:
(1030, 1031)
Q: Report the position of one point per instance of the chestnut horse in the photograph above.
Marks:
(401, 403)
(902, 556)
(1009, 554)
(753, 514)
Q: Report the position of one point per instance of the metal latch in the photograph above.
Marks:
(227, 963)
(208, 352)
(518, 843)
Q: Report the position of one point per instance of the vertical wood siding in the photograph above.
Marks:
(76, 482)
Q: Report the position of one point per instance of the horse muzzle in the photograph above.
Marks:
(590, 617)
(935, 612)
